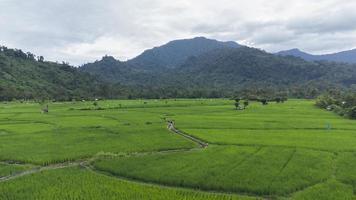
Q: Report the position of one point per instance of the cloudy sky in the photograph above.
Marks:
(80, 31)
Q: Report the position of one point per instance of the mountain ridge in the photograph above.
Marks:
(222, 70)
(174, 53)
(348, 56)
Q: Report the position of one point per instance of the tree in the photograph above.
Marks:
(246, 103)
(352, 113)
(40, 58)
(237, 105)
(30, 56)
(95, 104)
(264, 102)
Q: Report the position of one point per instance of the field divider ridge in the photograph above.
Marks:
(172, 128)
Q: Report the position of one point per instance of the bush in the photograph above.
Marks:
(352, 112)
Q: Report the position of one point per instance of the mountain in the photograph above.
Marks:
(109, 69)
(344, 56)
(114, 71)
(220, 69)
(244, 67)
(147, 67)
(298, 53)
(174, 53)
(24, 77)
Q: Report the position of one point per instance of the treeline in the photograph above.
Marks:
(251, 92)
(342, 103)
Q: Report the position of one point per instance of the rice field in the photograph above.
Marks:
(77, 183)
(122, 149)
(253, 170)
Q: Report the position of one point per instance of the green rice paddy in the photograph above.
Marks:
(123, 150)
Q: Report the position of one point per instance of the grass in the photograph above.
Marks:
(260, 171)
(293, 124)
(346, 171)
(63, 134)
(288, 151)
(10, 169)
(76, 183)
(327, 191)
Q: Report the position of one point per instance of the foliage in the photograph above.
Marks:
(24, 77)
(198, 68)
(222, 72)
(343, 104)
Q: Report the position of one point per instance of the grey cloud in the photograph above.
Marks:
(83, 30)
(333, 22)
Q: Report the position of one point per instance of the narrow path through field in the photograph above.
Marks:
(45, 168)
(172, 128)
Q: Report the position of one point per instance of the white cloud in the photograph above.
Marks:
(81, 31)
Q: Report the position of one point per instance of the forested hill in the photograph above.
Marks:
(225, 71)
(23, 76)
(147, 68)
(344, 56)
(237, 69)
(175, 53)
(155, 60)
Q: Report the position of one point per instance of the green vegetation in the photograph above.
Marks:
(346, 172)
(68, 134)
(225, 71)
(75, 183)
(291, 150)
(22, 76)
(292, 124)
(254, 170)
(343, 104)
(10, 169)
(197, 68)
(327, 191)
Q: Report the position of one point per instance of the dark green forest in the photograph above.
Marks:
(227, 72)
(25, 76)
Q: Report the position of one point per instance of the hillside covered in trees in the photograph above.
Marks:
(226, 71)
(193, 68)
(344, 56)
(25, 76)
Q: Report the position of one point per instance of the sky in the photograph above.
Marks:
(81, 31)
